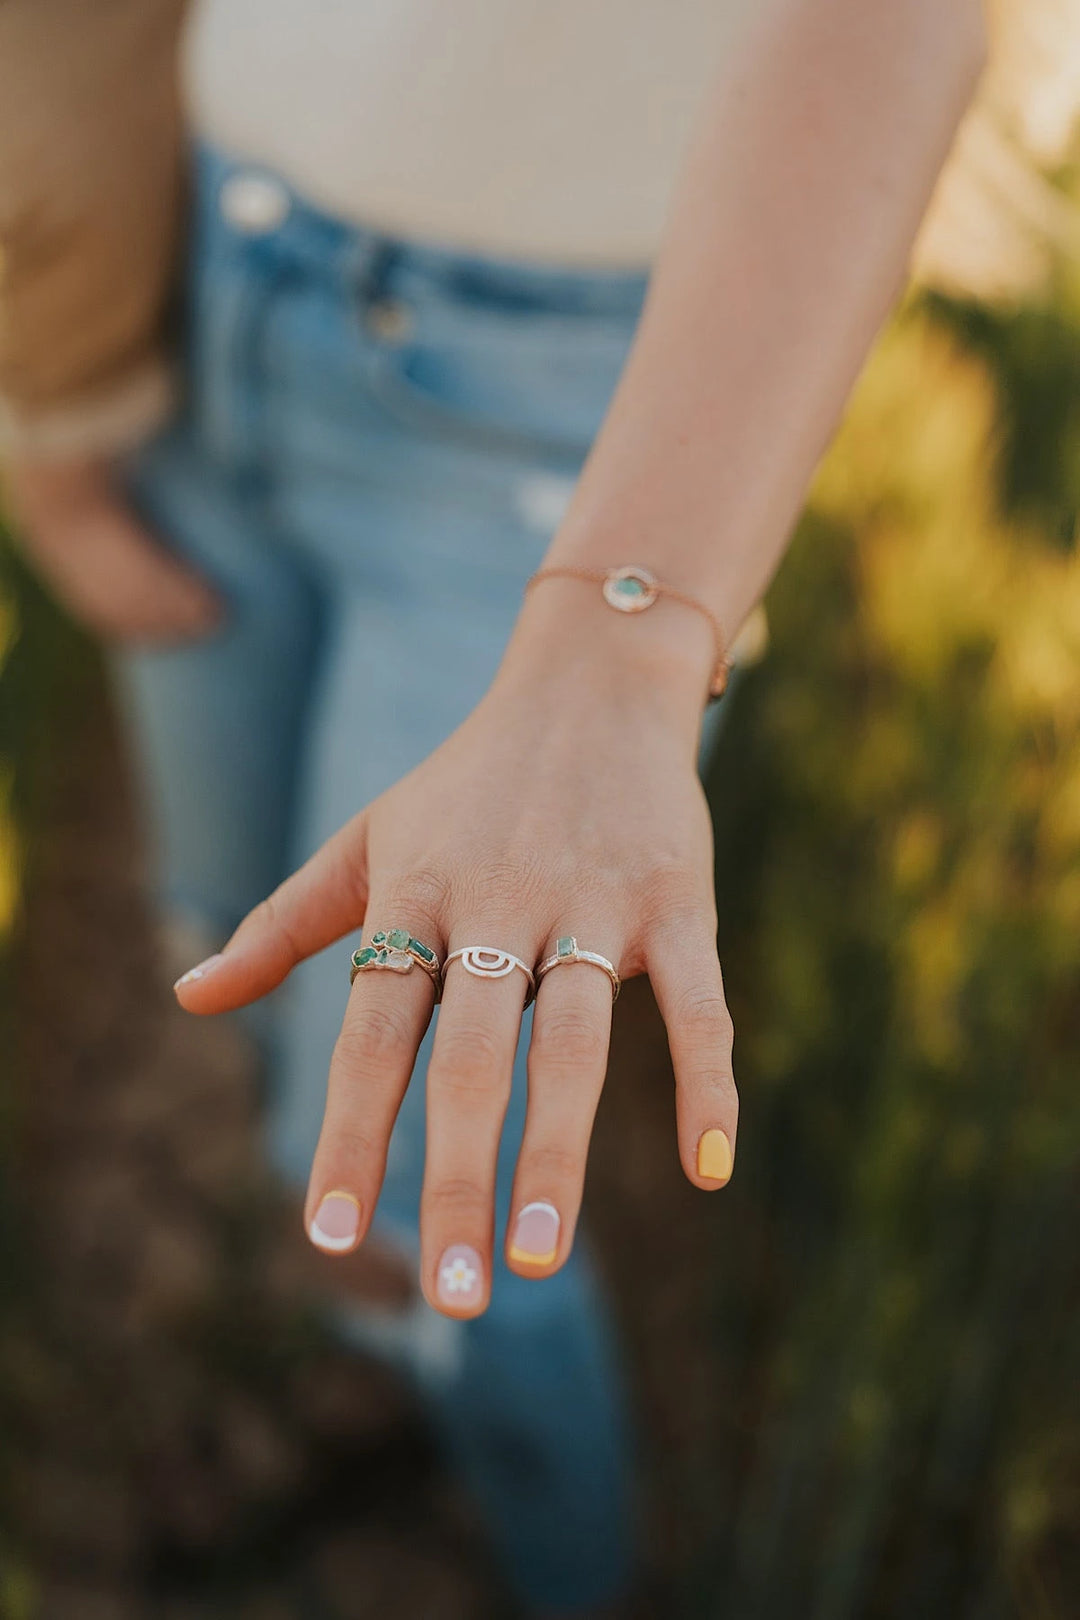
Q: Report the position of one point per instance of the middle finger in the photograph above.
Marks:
(468, 1088)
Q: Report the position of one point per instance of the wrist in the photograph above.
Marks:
(657, 661)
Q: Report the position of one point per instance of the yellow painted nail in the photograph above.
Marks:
(715, 1160)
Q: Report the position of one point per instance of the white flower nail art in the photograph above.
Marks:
(458, 1277)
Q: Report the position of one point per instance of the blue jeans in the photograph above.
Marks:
(378, 442)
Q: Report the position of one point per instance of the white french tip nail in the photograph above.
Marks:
(335, 1225)
(199, 971)
(323, 1240)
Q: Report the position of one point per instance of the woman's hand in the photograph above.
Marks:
(568, 803)
(85, 542)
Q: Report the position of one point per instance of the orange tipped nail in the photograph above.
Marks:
(535, 1240)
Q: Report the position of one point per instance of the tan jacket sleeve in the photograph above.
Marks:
(90, 200)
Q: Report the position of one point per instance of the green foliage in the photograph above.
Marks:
(898, 818)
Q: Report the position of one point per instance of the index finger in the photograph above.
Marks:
(322, 900)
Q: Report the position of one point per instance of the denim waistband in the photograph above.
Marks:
(298, 234)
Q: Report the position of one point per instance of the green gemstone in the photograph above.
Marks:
(362, 958)
(379, 938)
(381, 958)
(422, 951)
(566, 945)
(628, 587)
(398, 939)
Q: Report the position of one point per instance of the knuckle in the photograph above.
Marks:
(555, 1164)
(423, 894)
(504, 885)
(353, 1143)
(458, 1194)
(469, 1059)
(376, 1038)
(270, 917)
(704, 1023)
(355, 872)
(569, 1039)
(713, 1084)
(680, 902)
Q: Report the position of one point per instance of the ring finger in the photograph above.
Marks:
(567, 1065)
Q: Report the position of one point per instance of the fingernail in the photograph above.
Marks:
(200, 971)
(461, 1277)
(535, 1239)
(714, 1157)
(336, 1223)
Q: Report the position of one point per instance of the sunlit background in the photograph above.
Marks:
(859, 1370)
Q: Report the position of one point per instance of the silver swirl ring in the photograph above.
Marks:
(489, 962)
(566, 951)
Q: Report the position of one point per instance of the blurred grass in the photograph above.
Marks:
(899, 883)
(897, 801)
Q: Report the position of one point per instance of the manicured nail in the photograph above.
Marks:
(336, 1223)
(535, 1239)
(199, 972)
(714, 1157)
(461, 1277)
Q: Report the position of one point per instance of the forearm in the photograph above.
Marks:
(801, 191)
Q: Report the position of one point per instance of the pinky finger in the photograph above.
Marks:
(689, 990)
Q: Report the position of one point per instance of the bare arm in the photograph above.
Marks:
(568, 802)
(810, 168)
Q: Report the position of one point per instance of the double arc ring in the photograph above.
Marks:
(567, 952)
(396, 951)
(488, 962)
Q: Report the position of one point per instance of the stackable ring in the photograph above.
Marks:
(488, 962)
(566, 951)
(395, 949)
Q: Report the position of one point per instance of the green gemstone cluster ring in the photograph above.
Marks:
(566, 951)
(395, 950)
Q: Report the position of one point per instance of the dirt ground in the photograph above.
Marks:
(190, 1446)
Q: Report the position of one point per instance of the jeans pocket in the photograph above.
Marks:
(533, 383)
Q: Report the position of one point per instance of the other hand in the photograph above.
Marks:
(111, 574)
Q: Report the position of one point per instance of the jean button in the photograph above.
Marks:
(389, 320)
(254, 203)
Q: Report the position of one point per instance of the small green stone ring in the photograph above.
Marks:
(566, 951)
(396, 950)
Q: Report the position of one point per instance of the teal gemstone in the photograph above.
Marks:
(628, 587)
(379, 938)
(566, 945)
(362, 958)
(398, 939)
(381, 958)
(421, 951)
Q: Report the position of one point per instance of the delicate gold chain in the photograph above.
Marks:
(651, 590)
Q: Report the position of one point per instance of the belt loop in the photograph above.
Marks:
(376, 269)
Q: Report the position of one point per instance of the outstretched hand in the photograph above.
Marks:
(568, 803)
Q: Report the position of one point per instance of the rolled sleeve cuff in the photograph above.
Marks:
(104, 424)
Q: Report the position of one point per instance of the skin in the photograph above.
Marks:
(569, 802)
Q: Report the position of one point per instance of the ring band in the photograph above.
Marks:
(566, 951)
(488, 962)
(395, 949)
